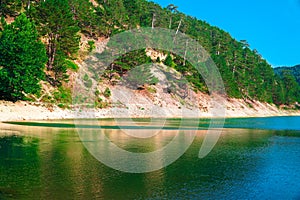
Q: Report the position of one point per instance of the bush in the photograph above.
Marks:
(71, 65)
(86, 77)
(63, 95)
(168, 60)
(79, 99)
(87, 81)
(151, 90)
(92, 46)
(99, 103)
(140, 76)
(97, 92)
(47, 99)
(63, 106)
(107, 93)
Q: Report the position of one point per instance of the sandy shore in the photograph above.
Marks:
(33, 111)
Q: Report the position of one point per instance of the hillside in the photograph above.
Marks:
(72, 30)
(294, 71)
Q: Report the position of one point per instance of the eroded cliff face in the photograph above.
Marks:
(171, 96)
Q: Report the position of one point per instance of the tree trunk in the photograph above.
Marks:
(178, 26)
(185, 52)
(51, 50)
(233, 71)
(153, 20)
(170, 25)
(234, 64)
(177, 29)
(219, 47)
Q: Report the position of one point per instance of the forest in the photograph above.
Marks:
(293, 71)
(43, 41)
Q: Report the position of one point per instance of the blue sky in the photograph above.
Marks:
(270, 26)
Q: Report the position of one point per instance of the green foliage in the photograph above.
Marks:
(71, 65)
(245, 73)
(87, 81)
(151, 90)
(279, 91)
(99, 103)
(139, 76)
(97, 93)
(294, 71)
(287, 88)
(292, 88)
(22, 60)
(10, 7)
(133, 8)
(169, 61)
(56, 23)
(59, 68)
(189, 71)
(63, 95)
(79, 99)
(92, 46)
(86, 77)
(86, 17)
(107, 93)
(2, 24)
(14, 8)
(130, 60)
(113, 16)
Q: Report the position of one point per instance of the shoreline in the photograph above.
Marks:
(30, 111)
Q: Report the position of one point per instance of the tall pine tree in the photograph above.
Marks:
(22, 59)
(60, 30)
(84, 13)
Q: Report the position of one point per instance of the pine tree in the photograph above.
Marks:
(22, 59)
(10, 7)
(279, 91)
(113, 16)
(133, 8)
(139, 76)
(291, 87)
(172, 8)
(169, 60)
(57, 25)
(84, 14)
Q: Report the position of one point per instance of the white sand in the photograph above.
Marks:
(234, 108)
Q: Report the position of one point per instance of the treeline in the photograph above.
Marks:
(294, 71)
(58, 23)
(291, 77)
(54, 27)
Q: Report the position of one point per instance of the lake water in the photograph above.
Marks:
(255, 158)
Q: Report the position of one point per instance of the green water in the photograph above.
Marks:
(253, 159)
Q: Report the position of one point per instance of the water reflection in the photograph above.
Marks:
(52, 163)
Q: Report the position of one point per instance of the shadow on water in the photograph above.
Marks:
(117, 127)
(266, 123)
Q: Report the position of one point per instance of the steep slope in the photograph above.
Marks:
(245, 73)
(295, 71)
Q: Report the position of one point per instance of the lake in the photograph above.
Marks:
(254, 158)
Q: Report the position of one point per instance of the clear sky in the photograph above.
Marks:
(270, 26)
